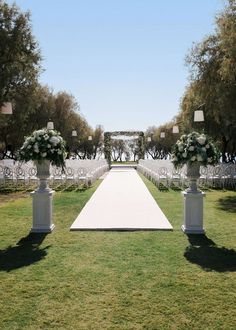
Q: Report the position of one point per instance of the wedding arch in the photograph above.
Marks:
(109, 135)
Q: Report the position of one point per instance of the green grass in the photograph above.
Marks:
(118, 280)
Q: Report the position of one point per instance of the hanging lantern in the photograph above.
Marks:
(50, 124)
(74, 132)
(198, 115)
(175, 129)
(163, 134)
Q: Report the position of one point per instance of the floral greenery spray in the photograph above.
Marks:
(44, 144)
(194, 147)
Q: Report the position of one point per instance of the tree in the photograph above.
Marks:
(19, 53)
(212, 65)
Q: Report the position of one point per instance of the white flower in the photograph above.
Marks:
(49, 145)
(38, 138)
(181, 147)
(191, 148)
(207, 146)
(46, 137)
(40, 132)
(209, 159)
(199, 158)
(36, 148)
(43, 154)
(59, 152)
(184, 154)
(25, 144)
(203, 149)
(201, 139)
(29, 146)
(193, 158)
(54, 140)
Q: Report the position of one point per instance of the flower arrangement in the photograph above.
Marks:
(44, 144)
(192, 148)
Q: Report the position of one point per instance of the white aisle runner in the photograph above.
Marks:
(121, 202)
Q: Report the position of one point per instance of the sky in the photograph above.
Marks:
(123, 60)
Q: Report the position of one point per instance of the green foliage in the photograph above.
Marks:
(141, 147)
(19, 54)
(212, 65)
(107, 147)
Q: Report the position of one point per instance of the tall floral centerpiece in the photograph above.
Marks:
(194, 149)
(43, 147)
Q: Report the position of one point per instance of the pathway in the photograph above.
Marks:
(121, 202)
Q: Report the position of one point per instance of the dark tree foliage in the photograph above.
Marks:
(19, 53)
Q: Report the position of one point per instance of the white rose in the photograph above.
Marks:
(201, 139)
(199, 158)
(181, 147)
(193, 158)
(59, 152)
(191, 148)
(207, 146)
(40, 132)
(43, 154)
(54, 140)
(184, 154)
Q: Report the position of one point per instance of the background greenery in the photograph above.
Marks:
(117, 280)
(212, 87)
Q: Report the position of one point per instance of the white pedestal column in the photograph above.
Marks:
(42, 211)
(193, 212)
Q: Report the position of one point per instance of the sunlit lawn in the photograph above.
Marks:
(118, 280)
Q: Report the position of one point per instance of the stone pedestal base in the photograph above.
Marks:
(193, 212)
(42, 211)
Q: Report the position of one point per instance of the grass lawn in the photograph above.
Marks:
(118, 280)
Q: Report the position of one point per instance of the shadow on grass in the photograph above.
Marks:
(25, 253)
(227, 203)
(205, 253)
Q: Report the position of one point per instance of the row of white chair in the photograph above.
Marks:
(79, 172)
(220, 176)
